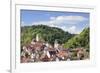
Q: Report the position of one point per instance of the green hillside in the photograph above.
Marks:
(48, 34)
(80, 40)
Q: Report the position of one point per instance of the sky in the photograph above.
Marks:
(73, 22)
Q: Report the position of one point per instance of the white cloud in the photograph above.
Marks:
(63, 20)
(67, 23)
(52, 18)
(71, 18)
(73, 30)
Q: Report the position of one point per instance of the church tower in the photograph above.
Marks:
(37, 37)
(56, 44)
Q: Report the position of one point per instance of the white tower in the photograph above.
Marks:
(37, 37)
(56, 44)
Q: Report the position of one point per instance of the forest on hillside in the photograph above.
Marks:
(80, 40)
(46, 33)
(50, 34)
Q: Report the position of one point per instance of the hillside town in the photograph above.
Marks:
(39, 51)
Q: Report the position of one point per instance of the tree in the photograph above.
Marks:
(49, 34)
(81, 40)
